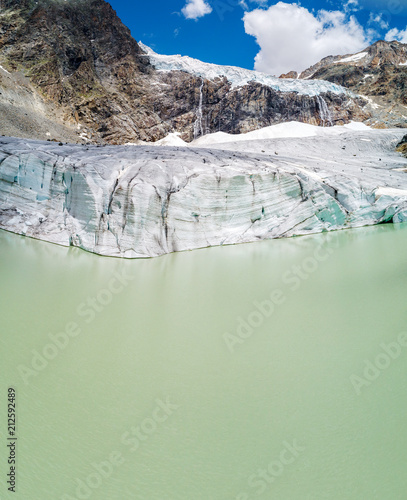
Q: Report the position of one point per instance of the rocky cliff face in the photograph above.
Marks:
(402, 146)
(379, 72)
(81, 58)
(82, 70)
(242, 109)
(139, 201)
(198, 98)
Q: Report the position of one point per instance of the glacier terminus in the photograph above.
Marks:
(146, 201)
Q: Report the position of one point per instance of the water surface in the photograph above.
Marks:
(188, 392)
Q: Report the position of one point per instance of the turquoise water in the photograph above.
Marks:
(274, 370)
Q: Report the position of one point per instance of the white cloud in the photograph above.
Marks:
(351, 6)
(378, 19)
(395, 34)
(196, 8)
(293, 38)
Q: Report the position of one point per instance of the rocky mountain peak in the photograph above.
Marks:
(68, 33)
(80, 56)
(380, 53)
(378, 72)
(75, 60)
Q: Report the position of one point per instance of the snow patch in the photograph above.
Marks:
(357, 126)
(173, 139)
(371, 102)
(281, 131)
(354, 58)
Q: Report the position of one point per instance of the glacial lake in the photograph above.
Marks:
(274, 370)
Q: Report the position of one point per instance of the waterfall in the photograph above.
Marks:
(324, 112)
(198, 129)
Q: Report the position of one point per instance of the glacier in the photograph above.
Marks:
(145, 201)
(238, 77)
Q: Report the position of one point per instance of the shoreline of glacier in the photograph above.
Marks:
(143, 201)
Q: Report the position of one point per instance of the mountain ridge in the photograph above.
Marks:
(80, 62)
(378, 72)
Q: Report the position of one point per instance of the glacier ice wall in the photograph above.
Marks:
(141, 201)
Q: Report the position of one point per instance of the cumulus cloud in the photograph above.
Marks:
(194, 9)
(395, 34)
(293, 38)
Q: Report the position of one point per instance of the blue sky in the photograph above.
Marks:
(265, 35)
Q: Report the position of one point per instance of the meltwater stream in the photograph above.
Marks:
(324, 112)
(275, 370)
(198, 128)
